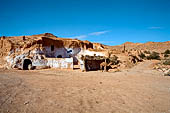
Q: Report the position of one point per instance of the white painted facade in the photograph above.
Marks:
(48, 57)
(63, 63)
(64, 52)
(69, 52)
(91, 53)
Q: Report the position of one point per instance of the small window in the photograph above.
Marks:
(52, 47)
(69, 51)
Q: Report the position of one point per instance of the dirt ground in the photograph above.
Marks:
(137, 90)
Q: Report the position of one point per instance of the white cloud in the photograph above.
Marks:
(90, 34)
(79, 37)
(98, 33)
(155, 27)
(106, 42)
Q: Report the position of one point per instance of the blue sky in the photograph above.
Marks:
(110, 22)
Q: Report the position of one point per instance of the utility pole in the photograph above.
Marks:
(105, 65)
(124, 48)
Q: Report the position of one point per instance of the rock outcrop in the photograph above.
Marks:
(13, 50)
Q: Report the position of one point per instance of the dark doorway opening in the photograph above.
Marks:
(92, 65)
(59, 56)
(27, 64)
(52, 47)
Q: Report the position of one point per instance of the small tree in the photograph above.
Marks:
(153, 55)
(166, 55)
(147, 52)
(166, 62)
(167, 51)
(142, 55)
(114, 59)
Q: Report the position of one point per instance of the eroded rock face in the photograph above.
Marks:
(38, 48)
(5, 47)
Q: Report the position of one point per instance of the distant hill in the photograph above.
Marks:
(151, 46)
(17, 42)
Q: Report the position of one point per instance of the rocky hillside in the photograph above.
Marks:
(151, 46)
(10, 43)
(16, 45)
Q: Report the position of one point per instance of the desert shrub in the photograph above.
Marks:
(75, 38)
(153, 55)
(166, 62)
(167, 51)
(147, 52)
(166, 55)
(114, 59)
(142, 55)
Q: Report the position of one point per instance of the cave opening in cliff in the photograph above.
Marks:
(27, 64)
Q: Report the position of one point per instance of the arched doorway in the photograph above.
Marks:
(27, 64)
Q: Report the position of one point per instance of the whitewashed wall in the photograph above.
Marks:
(91, 53)
(62, 63)
(67, 52)
(64, 52)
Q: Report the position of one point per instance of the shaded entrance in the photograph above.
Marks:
(92, 65)
(59, 56)
(27, 64)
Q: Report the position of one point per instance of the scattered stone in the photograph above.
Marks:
(167, 73)
(97, 102)
(27, 102)
(165, 69)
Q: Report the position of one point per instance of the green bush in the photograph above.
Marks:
(153, 55)
(166, 55)
(142, 55)
(147, 52)
(167, 51)
(166, 62)
(114, 59)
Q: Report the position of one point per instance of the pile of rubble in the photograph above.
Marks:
(163, 68)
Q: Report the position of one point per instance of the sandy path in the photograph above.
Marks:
(137, 90)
